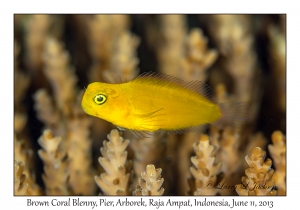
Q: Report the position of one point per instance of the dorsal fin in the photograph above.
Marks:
(167, 80)
(113, 78)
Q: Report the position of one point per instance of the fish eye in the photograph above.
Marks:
(99, 99)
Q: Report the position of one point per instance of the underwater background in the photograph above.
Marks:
(57, 146)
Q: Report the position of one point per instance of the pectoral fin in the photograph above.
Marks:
(151, 121)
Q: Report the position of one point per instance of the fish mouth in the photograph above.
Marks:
(83, 105)
(84, 109)
(90, 110)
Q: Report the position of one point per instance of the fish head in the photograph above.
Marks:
(103, 100)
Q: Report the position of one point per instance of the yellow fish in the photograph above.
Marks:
(152, 102)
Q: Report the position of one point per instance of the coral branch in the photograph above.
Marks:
(194, 63)
(102, 34)
(149, 151)
(198, 57)
(21, 80)
(37, 27)
(22, 151)
(124, 59)
(20, 187)
(55, 161)
(60, 74)
(115, 180)
(79, 151)
(259, 177)
(278, 153)
(151, 182)
(47, 112)
(204, 169)
(277, 51)
(25, 156)
(231, 159)
(171, 45)
(20, 120)
(236, 43)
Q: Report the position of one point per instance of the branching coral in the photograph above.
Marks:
(55, 161)
(233, 144)
(229, 151)
(22, 151)
(278, 153)
(151, 182)
(79, 151)
(235, 42)
(120, 23)
(21, 83)
(37, 28)
(227, 142)
(47, 112)
(53, 112)
(60, 74)
(204, 169)
(184, 151)
(256, 140)
(112, 48)
(20, 121)
(66, 117)
(222, 94)
(259, 177)
(149, 151)
(77, 141)
(20, 187)
(234, 122)
(277, 50)
(124, 59)
(100, 41)
(115, 180)
(171, 45)
(102, 34)
(198, 57)
(102, 30)
(99, 37)
(21, 80)
(25, 156)
(231, 159)
(195, 61)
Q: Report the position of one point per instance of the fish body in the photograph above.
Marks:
(150, 103)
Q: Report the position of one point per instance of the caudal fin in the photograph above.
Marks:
(233, 114)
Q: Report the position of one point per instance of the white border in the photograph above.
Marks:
(8, 8)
